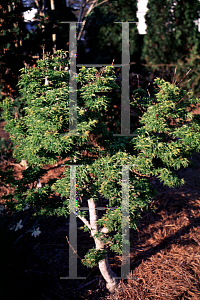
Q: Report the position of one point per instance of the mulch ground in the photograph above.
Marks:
(165, 251)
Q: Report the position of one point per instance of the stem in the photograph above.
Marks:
(83, 219)
(104, 266)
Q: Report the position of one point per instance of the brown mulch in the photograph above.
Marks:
(165, 251)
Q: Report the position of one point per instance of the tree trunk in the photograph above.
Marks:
(83, 23)
(104, 267)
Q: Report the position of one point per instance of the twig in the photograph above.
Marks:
(184, 76)
(140, 174)
(84, 221)
(176, 79)
(174, 75)
(138, 80)
(83, 23)
(101, 3)
(73, 248)
(86, 284)
(138, 104)
(13, 164)
(182, 98)
(81, 10)
(9, 163)
(150, 97)
(45, 297)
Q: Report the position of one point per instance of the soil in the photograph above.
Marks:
(165, 250)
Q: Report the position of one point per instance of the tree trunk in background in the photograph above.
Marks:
(83, 24)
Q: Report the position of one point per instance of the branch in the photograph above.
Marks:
(139, 106)
(101, 2)
(37, 4)
(8, 162)
(89, 10)
(73, 249)
(83, 24)
(174, 75)
(140, 174)
(104, 230)
(184, 76)
(81, 10)
(83, 219)
(93, 216)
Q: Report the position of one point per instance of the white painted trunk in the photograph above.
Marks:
(104, 267)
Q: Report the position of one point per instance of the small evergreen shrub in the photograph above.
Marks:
(166, 136)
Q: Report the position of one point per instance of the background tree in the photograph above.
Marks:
(103, 38)
(158, 42)
(12, 34)
(49, 31)
(190, 39)
(171, 31)
(191, 67)
(166, 136)
(186, 31)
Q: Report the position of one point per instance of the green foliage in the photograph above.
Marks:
(103, 37)
(41, 134)
(158, 38)
(171, 31)
(167, 135)
(170, 133)
(191, 67)
(93, 257)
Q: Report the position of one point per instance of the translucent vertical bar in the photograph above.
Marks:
(125, 102)
(72, 80)
(125, 108)
(125, 268)
(72, 225)
(72, 228)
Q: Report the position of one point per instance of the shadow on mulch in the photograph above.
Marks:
(165, 252)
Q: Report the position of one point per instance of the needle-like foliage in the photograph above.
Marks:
(166, 135)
